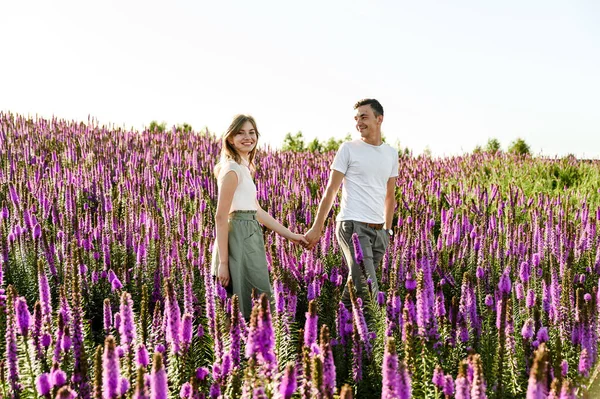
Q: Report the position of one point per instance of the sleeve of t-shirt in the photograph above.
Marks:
(341, 160)
(229, 167)
(394, 172)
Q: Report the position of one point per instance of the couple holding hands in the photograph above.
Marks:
(367, 167)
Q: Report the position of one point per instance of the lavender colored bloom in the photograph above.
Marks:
(141, 356)
(448, 385)
(111, 371)
(505, 284)
(381, 298)
(391, 381)
(542, 335)
(527, 331)
(288, 384)
(44, 292)
(124, 386)
(58, 378)
(489, 300)
(117, 318)
(438, 377)
(202, 373)
(127, 331)
(525, 272)
(404, 381)
(46, 340)
(215, 391)
(480, 273)
(530, 299)
(564, 368)
(23, 316)
(158, 381)
(185, 391)
(358, 252)
(311, 325)
(519, 291)
(187, 327)
(584, 363)
(43, 384)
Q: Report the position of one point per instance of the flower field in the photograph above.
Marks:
(490, 287)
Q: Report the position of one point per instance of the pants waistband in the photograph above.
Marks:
(243, 215)
(376, 226)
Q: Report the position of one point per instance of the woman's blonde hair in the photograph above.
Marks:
(228, 151)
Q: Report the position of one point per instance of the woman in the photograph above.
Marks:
(239, 259)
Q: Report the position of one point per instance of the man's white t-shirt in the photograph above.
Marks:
(244, 198)
(367, 169)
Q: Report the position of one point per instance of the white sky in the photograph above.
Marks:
(450, 74)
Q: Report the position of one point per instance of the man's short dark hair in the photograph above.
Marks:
(375, 105)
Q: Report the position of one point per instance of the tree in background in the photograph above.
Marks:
(293, 142)
(519, 147)
(493, 146)
(184, 127)
(157, 127)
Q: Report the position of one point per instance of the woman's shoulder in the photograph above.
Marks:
(229, 165)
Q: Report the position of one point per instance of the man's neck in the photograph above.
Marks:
(373, 140)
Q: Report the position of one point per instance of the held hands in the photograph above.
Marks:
(298, 239)
(223, 274)
(312, 236)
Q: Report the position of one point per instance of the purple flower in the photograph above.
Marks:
(311, 324)
(187, 328)
(358, 253)
(23, 316)
(288, 384)
(58, 377)
(124, 386)
(525, 272)
(584, 363)
(391, 380)
(527, 330)
(43, 384)
(448, 385)
(127, 329)
(542, 335)
(381, 298)
(438, 377)
(489, 300)
(185, 391)
(141, 356)
(505, 285)
(158, 379)
(564, 368)
(202, 373)
(530, 300)
(111, 371)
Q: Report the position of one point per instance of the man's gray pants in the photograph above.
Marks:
(374, 243)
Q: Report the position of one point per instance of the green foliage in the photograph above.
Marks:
(157, 127)
(493, 146)
(184, 127)
(293, 142)
(519, 147)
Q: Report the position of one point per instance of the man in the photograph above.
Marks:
(368, 168)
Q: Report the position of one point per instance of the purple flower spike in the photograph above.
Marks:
(288, 383)
(358, 252)
(111, 371)
(23, 316)
(141, 356)
(43, 384)
(158, 380)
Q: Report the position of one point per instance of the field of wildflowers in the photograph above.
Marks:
(489, 288)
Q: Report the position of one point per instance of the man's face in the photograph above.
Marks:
(366, 121)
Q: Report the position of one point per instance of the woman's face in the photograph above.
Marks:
(245, 139)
